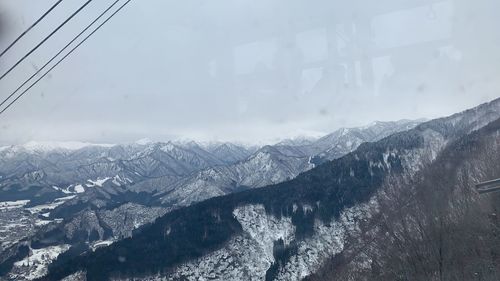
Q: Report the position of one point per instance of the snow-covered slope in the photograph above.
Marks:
(101, 179)
(157, 168)
(36, 264)
(46, 146)
(274, 164)
(228, 152)
(249, 255)
(306, 218)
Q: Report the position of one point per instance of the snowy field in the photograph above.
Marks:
(7, 205)
(35, 265)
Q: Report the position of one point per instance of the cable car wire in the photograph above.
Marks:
(45, 39)
(63, 58)
(31, 27)
(60, 52)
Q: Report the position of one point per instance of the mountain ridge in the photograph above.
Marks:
(324, 192)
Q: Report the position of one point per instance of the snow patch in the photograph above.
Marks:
(100, 244)
(8, 205)
(327, 240)
(245, 257)
(35, 265)
(98, 182)
(79, 189)
(168, 147)
(118, 181)
(57, 202)
(65, 190)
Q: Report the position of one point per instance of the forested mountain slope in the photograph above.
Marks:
(281, 232)
(435, 228)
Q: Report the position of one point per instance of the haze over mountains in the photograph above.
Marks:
(291, 230)
(72, 168)
(277, 212)
(103, 192)
(253, 164)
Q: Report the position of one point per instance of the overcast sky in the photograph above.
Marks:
(248, 70)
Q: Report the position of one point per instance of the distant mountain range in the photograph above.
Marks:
(288, 230)
(77, 193)
(46, 171)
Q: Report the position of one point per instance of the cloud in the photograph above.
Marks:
(251, 70)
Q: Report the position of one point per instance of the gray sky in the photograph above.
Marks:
(248, 70)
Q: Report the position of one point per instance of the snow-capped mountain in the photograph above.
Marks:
(46, 146)
(54, 169)
(65, 169)
(81, 191)
(298, 141)
(229, 152)
(346, 140)
(275, 164)
(287, 231)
